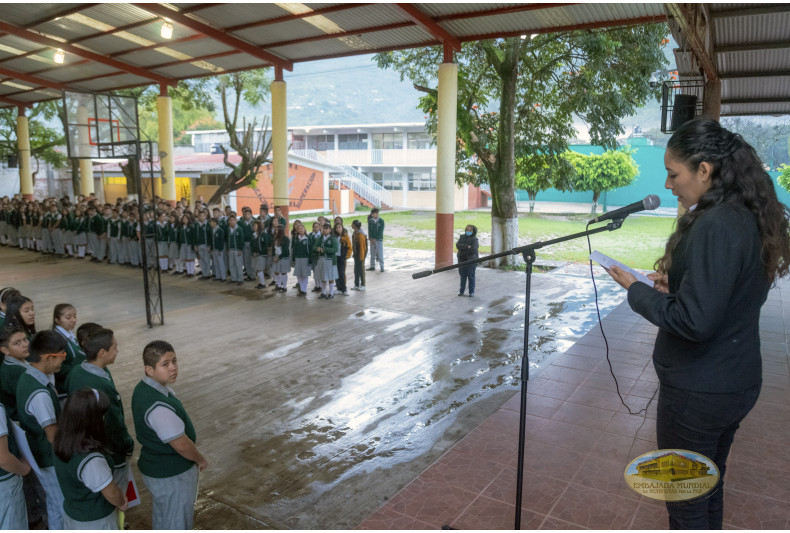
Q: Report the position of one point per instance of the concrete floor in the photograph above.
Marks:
(314, 413)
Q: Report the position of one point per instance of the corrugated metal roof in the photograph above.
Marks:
(314, 37)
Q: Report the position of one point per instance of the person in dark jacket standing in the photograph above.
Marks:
(467, 246)
(726, 252)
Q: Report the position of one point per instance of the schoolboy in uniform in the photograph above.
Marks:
(94, 227)
(235, 247)
(202, 233)
(114, 237)
(169, 460)
(245, 224)
(15, 348)
(376, 236)
(13, 511)
(101, 350)
(38, 408)
(217, 250)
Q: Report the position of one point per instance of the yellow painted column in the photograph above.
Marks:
(164, 111)
(23, 145)
(445, 162)
(280, 143)
(84, 149)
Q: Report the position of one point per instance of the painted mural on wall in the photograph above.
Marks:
(305, 190)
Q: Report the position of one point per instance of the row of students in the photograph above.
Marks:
(83, 451)
(225, 247)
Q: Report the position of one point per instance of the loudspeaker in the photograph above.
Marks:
(683, 109)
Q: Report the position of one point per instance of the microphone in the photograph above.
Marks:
(649, 203)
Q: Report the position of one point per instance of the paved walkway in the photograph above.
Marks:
(580, 437)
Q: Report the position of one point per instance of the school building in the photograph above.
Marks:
(386, 165)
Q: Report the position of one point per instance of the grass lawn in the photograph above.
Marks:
(638, 243)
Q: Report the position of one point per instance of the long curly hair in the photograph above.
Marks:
(738, 179)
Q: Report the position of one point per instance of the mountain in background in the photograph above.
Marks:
(353, 90)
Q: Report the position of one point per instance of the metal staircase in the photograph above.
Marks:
(350, 177)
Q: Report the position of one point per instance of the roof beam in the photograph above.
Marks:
(219, 35)
(775, 9)
(737, 101)
(757, 74)
(81, 52)
(516, 8)
(429, 25)
(295, 16)
(690, 20)
(753, 47)
(11, 101)
(27, 78)
(638, 21)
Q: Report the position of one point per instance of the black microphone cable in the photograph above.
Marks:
(606, 343)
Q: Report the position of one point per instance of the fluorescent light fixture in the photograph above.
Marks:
(59, 56)
(167, 30)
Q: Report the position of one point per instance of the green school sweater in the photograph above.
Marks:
(74, 356)
(36, 437)
(78, 501)
(158, 459)
(9, 377)
(81, 377)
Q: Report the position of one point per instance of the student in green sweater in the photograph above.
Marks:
(38, 408)
(101, 350)
(83, 465)
(64, 322)
(169, 460)
(15, 348)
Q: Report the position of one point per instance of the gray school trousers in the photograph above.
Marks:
(115, 250)
(376, 252)
(218, 257)
(235, 260)
(247, 257)
(13, 511)
(173, 499)
(205, 260)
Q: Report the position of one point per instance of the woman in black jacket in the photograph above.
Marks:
(726, 252)
(467, 249)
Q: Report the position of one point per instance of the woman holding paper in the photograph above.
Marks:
(726, 252)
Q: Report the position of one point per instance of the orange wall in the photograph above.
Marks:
(305, 190)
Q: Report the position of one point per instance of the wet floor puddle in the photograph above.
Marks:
(391, 403)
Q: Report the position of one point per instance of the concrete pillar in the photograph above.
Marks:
(84, 150)
(164, 112)
(445, 162)
(279, 142)
(23, 145)
(711, 99)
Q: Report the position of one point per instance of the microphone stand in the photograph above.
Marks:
(528, 253)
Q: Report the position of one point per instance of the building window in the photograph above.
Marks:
(419, 140)
(388, 141)
(392, 181)
(422, 181)
(321, 143)
(210, 179)
(352, 141)
(298, 142)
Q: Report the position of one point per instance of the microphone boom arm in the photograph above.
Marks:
(526, 250)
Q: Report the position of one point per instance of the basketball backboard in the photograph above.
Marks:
(101, 126)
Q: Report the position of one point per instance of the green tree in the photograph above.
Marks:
(46, 143)
(252, 86)
(598, 173)
(525, 92)
(767, 136)
(193, 104)
(784, 177)
(535, 174)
